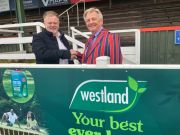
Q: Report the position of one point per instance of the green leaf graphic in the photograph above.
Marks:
(141, 90)
(132, 83)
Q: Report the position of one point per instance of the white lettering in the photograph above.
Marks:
(105, 97)
(51, 2)
(45, 2)
(110, 98)
(92, 96)
(84, 95)
(125, 97)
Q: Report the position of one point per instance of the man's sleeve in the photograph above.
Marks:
(43, 53)
(115, 49)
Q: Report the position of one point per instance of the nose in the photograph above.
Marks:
(90, 21)
(52, 24)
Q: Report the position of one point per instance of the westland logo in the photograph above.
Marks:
(108, 95)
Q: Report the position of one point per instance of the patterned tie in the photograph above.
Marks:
(89, 45)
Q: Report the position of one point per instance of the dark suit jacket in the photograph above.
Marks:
(46, 49)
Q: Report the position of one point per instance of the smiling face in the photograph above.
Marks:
(93, 21)
(51, 23)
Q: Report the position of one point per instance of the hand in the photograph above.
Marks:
(73, 57)
(73, 54)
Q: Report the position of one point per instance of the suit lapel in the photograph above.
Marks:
(96, 43)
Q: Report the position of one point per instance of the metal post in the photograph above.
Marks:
(38, 28)
(110, 3)
(77, 15)
(73, 36)
(69, 33)
(20, 15)
(84, 5)
(137, 45)
(20, 45)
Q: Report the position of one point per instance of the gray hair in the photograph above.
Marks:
(90, 10)
(50, 13)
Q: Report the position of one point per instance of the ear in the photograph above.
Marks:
(44, 24)
(101, 21)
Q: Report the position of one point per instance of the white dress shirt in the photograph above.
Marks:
(61, 47)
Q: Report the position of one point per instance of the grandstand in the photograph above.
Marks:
(129, 98)
(118, 15)
(121, 14)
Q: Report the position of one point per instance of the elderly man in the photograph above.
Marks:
(10, 117)
(102, 42)
(50, 46)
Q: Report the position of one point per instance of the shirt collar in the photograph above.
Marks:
(97, 33)
(58, 34)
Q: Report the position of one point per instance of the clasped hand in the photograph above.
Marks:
(76, 55)
(73, 54)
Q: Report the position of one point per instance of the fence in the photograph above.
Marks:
(131, 55)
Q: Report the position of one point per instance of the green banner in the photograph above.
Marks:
(89, 101)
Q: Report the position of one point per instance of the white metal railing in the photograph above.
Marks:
(18, 40)
(77, 14)
(24, 40)
(4, 130)
(131, 55)
(38, 25)
(13, 31)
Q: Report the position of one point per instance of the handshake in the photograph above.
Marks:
(76, 55)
